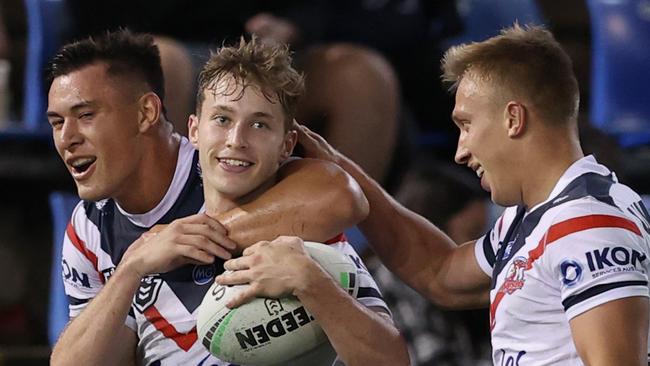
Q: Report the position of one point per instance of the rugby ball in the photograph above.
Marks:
(265, 332)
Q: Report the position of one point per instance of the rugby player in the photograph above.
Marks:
(565, 268)
(132, 172)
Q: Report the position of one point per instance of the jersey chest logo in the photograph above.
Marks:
(515, 277)
(147, 294)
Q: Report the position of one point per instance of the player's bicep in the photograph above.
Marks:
(613, 333)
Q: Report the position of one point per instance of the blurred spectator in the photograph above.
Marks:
(13, 35)
(450, 197)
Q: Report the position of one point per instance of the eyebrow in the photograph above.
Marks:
(262, 114)
(74, 108)
(231, 110)
(222, 108)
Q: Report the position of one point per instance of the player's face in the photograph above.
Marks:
(483, 141)
(241, 140)
(95, 131)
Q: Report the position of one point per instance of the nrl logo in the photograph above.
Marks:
(147, 293)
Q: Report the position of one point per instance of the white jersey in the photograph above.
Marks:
(164, 309)
(587, 244)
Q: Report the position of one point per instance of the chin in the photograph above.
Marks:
(91, 195)
(503, 201)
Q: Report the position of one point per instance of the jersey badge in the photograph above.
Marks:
(515, 276)
(147, 293)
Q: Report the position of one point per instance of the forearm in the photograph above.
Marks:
(418, 252)
(314, 200)
(359, 335)
(421, 244)
(97, 336)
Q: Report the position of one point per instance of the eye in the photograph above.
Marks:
(56, 123)
(86, 115)
(259, 125)
(220, 119)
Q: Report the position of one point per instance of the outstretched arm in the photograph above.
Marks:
(410, 246)
(315, 200)
(282, 267)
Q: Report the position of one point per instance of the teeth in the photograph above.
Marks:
(479, 172)
(235, 162)
(82, 161)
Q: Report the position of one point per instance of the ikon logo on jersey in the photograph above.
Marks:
(73, 276)
(609, 257)
(571, 272)
(617, 259)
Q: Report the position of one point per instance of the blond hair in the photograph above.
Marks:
(254, 63)
(525, 62)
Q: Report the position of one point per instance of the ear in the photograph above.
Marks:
(516, 117)
(290, 140)
(150, 111)
(193, 130)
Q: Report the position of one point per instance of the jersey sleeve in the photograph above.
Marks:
(369, 294)
(595, 255)
(82, 278)
(486, 247)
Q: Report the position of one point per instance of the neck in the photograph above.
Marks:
(545, 163)
(217, 203)
(157, 164)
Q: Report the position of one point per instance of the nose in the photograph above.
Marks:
(237, 137)
(70, 135)
(462, 153)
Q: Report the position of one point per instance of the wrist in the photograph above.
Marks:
(310, 276)
(129, 267)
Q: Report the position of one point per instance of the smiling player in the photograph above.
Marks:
(132, 172)
(565, 269)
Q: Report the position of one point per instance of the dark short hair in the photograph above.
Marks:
(128, 54)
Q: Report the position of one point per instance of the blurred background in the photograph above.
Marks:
(373, 90)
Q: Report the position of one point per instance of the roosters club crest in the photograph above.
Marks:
(515, 277)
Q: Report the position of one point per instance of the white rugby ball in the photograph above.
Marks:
(264, 331)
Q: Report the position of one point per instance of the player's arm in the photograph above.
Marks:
(614, 333)
(360, 335)
(409, 245)
(98, 335)
(314, 199)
